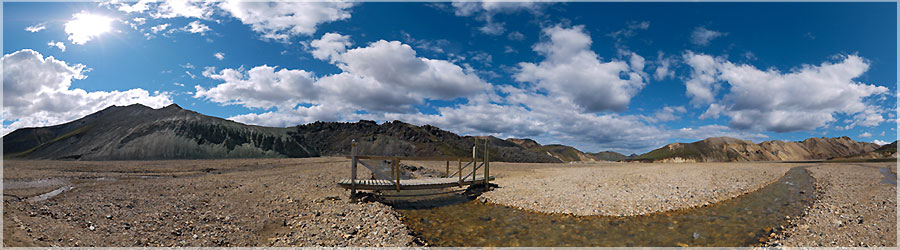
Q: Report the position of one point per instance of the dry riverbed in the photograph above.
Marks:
(296, 202)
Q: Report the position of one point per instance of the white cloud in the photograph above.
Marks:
(159, 28)
(178, 84)
(138, 7)
(36, 27)
(702, 36)
(509, 49)
(182, 8)
(493, 28)
(663, 65)
(865, 134)
(330, 46)
(59, 45)
(384, 76)
(630, 30)
(516, 36)
(282, 20)
(768, 100)
(219, 55)
(196, 27)
(668, 113)
(85, 26)
(260, 87)
(487, 10)
(37, 92)
(571, 70)
(880, 142)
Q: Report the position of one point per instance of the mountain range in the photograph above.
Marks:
(138, 132)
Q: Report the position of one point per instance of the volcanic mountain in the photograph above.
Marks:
(722, 149)
(138, 132)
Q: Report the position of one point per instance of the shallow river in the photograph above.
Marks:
(743, 221)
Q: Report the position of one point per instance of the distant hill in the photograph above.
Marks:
(137, 132)
(723, 149)
(886, 151)
(566, 153)
(403, 139)
(610, 156)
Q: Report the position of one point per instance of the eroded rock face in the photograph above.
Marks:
(138, 132)
(722, 149)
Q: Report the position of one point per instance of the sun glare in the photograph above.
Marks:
(85, 26)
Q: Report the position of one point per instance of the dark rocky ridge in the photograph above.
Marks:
(137, 132)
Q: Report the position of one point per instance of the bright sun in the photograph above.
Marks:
(85, 26)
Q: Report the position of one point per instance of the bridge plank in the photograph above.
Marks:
(414, 184)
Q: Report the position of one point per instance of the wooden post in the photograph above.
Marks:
(448, 169)
(353, 163)
(397, 170)
(487, 166)
(474, 160)
(459, 161)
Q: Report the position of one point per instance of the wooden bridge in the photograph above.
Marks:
(382, 181)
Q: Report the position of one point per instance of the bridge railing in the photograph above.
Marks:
(396, 173)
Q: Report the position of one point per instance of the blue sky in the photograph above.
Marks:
(627, 77)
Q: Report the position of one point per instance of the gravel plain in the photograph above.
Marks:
(296, 202)
(251, 202)
(624, 189)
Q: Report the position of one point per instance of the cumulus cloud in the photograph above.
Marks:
(37, 92)
(880, 142)
(282, 20)
(702, 36)
(196, 27)
(59, 45)
(36, 27)
(383, 76)
(260, 87)
(865, 135)
(219, 55)
(330, 46)
(571, 70)
(768, 100)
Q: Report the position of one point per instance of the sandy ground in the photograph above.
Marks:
(627, 188)
(295, 202)
(855, 208)
(266, 202)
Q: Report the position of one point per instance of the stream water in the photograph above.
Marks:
(889, 177)
(742, 221)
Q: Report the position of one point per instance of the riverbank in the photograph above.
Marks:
(857, 207)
